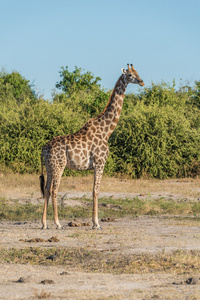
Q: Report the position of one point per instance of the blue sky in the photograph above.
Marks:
(160, 37)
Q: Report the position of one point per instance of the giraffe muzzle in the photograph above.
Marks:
(141, 83)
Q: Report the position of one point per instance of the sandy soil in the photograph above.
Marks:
(124, 236)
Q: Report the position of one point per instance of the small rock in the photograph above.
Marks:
(53, 239)
(107, 220)
(192, 280)
(21, 279)
(85, 224)
(64, 273)
(106, 205)
(36, 240)
(47, 281)
(52, 257)
(177, 283)
(74, 224)
(24, 279)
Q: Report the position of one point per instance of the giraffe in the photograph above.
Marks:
(86, 149)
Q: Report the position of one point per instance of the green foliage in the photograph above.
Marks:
(27, 128)
(196, 94)
(15, 88)
(76, 80)
(158, 134)
(87, 102)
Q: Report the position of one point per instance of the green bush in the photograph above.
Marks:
(14, 88)
(26, 129)
(158, 134)
(76, 81)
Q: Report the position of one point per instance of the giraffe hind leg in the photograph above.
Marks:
(47, 194)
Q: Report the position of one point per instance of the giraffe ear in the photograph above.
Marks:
(123, 71)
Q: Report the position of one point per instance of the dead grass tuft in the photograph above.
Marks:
(26, 185)
(110, 208)
(41, 295)
(84, 260)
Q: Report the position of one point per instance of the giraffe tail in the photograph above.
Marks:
(42, 181)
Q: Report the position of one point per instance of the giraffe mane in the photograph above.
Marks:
(111, 96)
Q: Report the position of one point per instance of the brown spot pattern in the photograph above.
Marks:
(86, 149)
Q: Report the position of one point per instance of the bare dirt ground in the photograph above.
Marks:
(145, 235)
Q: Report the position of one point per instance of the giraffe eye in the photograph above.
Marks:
(129, 75)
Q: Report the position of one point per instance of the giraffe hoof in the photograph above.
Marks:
(96, 227)
(45, 227)
(59, 227)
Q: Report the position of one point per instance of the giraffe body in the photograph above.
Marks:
(86, 149)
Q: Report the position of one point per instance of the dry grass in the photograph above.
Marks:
(28, 185)
(109, 208)
(84, 260)
(111, 258)
(41, 295)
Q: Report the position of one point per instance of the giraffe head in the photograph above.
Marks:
(132, 75)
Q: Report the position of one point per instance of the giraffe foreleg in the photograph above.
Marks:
(55, 186)
(55, 209)
(98, 172)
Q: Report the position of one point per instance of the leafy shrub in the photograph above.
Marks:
(15, 88)
(76, 81)
(157, 134)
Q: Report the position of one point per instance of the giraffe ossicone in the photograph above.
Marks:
(86, 149)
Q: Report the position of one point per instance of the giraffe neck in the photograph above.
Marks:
(111, 114)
